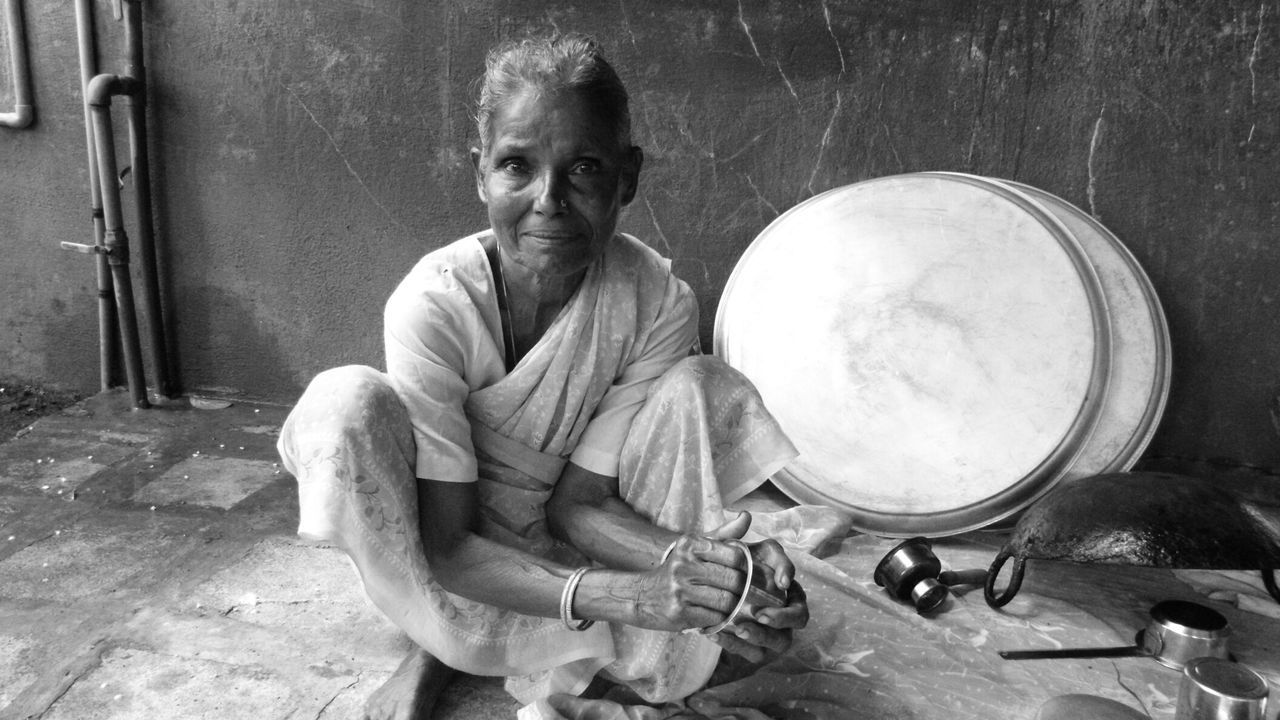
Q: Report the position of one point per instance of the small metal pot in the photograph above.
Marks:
(911, 572)
(1214, 689)
(1180, 631)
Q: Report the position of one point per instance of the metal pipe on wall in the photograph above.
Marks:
(115, 241)
(111, 245)
(108, 331)
(135, 68)
(23, 113)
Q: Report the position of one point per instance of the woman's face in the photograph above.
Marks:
(554, 179)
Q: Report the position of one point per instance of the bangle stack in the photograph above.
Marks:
(566, 602)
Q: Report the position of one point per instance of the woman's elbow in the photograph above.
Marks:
(448, 560)
(560, 511)
(577, 500)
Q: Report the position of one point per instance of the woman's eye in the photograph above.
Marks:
(514, 166)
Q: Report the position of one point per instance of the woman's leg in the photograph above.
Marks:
(349, 444)
(702, 440)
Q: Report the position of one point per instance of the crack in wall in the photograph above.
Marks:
(1253, 59)
(653, 217)
(787, 80)
(826, 13)
(745, 147)
(888, 138)
(760, 196)
(626, 22)
(342, 156)
(1094, 142)
(746, 29)
(1253, 75)
(826, 140)
(742, 20)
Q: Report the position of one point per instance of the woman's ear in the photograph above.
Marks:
(476, 158)
(631, 174)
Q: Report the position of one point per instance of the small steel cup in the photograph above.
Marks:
(1217, 689)
(910, 571)
(1180, 631)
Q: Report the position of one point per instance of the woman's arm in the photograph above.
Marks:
(693, 589)
(586, 511)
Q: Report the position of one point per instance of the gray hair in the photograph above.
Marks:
(570, 62)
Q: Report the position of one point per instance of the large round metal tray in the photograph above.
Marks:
(1140, 355)
(937, 346)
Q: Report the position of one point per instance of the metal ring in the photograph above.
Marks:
(667, 553)
(566, 602)
(746, 588)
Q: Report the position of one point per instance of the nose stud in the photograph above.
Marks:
(564, 203)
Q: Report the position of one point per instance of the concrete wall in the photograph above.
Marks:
(306, 153)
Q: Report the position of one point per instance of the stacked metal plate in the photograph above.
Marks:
(944, 348)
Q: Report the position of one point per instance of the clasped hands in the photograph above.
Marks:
(705, 580)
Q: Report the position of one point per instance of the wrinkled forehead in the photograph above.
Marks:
(568, 115)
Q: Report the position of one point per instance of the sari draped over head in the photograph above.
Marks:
(605, 387)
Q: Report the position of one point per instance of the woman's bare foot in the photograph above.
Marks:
(411, 691)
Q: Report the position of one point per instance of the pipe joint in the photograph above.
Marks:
(20, 67)
(116, 247)
(21, 117)
(102, 88)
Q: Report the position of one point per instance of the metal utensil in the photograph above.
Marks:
(911, 572)
(1214, 689)
(1179, 631)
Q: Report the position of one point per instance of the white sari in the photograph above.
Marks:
(697, 437)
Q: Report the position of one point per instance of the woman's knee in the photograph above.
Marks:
(708, 374)
(350, 396)
(349, 382)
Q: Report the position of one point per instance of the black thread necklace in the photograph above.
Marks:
(494, 254)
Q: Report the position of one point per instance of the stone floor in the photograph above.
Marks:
(149, 569)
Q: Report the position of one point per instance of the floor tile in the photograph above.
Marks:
(208, 480)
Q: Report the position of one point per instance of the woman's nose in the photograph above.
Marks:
(552, 196)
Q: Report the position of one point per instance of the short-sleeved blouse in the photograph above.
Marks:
(443, 341)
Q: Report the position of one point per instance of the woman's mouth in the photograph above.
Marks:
(551, 236)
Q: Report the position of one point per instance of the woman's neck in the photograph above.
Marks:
(534, 301)
(526, 287)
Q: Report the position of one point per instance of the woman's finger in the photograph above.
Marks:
(731, 643)
(771, 639)
(704, 553)
(771, 553)
(794, 615)
(733, 529)
(717, 600)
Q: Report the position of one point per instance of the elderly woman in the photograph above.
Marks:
(536, 486)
